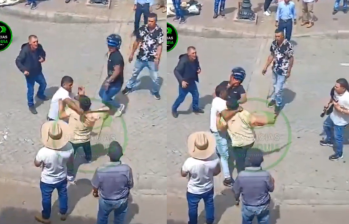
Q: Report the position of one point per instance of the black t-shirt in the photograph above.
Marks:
(234, 92)
(115, 59)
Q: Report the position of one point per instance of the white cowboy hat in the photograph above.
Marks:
(55, 134)
(201, 145)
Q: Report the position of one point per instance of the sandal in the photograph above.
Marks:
(164, 11)
(304, 23)
(310, 25)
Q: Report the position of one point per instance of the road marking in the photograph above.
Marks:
(344, 64)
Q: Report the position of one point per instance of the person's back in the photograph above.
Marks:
(240, 129)
(55, 163)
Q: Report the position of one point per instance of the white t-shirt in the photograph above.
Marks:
(337, 117)
(200, 174)
(218, 105)
(55, 168)
(61, 94)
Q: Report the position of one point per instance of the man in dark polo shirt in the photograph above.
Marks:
(187, 73)
(235, 90)
(113, 83)
(112, 183)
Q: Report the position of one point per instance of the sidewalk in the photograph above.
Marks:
(204, 25)
(121, 11)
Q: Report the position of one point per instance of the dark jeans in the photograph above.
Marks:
(240, 154)
(193, 203)
(267, 4)
(261, 212)
(31, 80)
(31, 1)
(336, 133)
(107, 96)
(118, 207)
(219, 4)
(182, 93)
(141, 9)
(86, 146)
(178, 9)
(286, 26)
(46, 194)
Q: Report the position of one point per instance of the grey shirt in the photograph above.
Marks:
(254, 185)
(113, 180)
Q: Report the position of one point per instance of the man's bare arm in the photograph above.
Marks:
(116, 73)
(159, 52)
(62, 114)
(228, 114)
(135, 47)
(72, 105)
(269, 61)
(243, 98)
(259, 120)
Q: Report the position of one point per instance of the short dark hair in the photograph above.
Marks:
(191, 48)
(279, 31)
(85, 102)
(254, 157)
(66, 79)
(220, 89)
(232, 104)
(115, 151)
(32, 36)
(343, 83)
(153, 15)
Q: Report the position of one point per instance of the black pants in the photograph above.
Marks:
(86, 146)
(267, 4)
(286, 26)
(141, 9)
(240, 154)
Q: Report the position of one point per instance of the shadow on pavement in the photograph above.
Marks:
(171, 221)
(13, 215)
(49, 92)
(203, 102)
(146, 82)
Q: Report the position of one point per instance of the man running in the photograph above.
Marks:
(113, 83)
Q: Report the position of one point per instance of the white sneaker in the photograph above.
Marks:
(267, 13)
(118, 113)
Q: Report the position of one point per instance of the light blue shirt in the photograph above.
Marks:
(142, 2)
(286, 11)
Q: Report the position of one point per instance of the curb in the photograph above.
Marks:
(58, 17)
(223, 33)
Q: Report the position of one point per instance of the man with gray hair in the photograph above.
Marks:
(112, 183)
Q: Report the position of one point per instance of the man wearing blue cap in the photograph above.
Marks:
(235, 90)
(113, 83)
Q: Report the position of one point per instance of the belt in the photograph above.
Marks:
(142, 4)
(285, 20)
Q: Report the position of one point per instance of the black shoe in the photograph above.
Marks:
(228, 182)
(176, 19)
(33, 110)
(335, 157)
(277, 110)
(157, 96)
(326, 143)
(182, 21)
(334, 12)
(215, 16)
(175, 114)
(33, 6)
(222, 13)
(271, 103)
(199, 111)
(126, 91)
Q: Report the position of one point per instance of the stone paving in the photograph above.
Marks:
(80, 53)
(205, 26)
(304, 175)
(77, 12)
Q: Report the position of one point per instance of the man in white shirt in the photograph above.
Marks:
(200, 169)
(64, 93)
(53, 159)
(335, 124)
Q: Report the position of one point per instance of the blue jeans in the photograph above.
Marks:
(108, 96)
(286, 26)
(337, 2)
(31, 80)
(178, 9)
(153, 69)
(105, 207)
(141, 9)
(46, 194)
(222, 150)
(337, 132)
(278, 83)
(261, 212)
(182, 93)
(193, 203)
(219, 4)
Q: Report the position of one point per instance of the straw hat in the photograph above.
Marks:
(201, 145)
(55, 134)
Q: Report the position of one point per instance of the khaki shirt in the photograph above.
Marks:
(82, 127)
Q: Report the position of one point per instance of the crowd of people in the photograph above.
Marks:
(70, 121)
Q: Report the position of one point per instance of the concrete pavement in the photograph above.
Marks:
(121, 11)
(326, 25)
(80, 53)
(298, 161)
